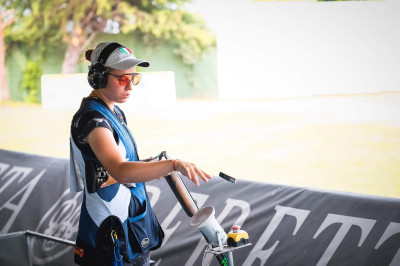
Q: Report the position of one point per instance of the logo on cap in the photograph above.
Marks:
(125, 50)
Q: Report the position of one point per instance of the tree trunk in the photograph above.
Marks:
(75, 48)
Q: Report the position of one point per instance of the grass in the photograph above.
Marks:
(347, 143)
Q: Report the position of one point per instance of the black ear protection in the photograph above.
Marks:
(98, 73)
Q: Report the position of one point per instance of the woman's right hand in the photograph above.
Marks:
(191, 171)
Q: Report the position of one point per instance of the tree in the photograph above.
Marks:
(7, 17)
(77, 23)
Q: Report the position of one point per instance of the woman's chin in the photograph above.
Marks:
(123, 100)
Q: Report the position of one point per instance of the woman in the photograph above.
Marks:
(116, 223)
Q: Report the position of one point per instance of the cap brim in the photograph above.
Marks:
(128, 63)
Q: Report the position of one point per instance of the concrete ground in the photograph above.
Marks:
(347, 143)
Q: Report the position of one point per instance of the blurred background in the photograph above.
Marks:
(302, 93)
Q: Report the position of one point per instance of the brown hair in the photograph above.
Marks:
(88, 54)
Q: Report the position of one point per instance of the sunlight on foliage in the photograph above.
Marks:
(31, 82)
(47, 23)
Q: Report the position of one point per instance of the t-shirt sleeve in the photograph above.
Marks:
(89, 121)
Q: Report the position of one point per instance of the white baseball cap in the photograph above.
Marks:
(121, 58)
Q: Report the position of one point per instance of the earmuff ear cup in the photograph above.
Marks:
(98, 73)
(98, 76)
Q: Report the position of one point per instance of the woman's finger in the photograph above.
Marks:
(202, 175)
(192, 172)
(194, 175)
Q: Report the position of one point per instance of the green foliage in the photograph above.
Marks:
(28, 29)
(31, 82)
(166, 21)
(45, 23)
(187, 32)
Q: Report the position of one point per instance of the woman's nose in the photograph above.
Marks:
(129, 86)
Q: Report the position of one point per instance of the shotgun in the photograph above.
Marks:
(187, 202)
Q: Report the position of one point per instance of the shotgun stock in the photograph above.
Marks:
(178, 187)
(182, 194)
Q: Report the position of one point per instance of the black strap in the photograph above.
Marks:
(107, 51)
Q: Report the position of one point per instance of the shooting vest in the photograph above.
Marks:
(117, 221)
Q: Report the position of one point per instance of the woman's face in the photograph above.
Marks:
(116, 92)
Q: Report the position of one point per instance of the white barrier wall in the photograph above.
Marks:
(302, 48)
(65, 92)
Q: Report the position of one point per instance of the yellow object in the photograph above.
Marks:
(237, 237)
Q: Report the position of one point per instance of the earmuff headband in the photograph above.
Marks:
(106, 52)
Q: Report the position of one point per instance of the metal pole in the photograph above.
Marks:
(229, 256)
(28, 245)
